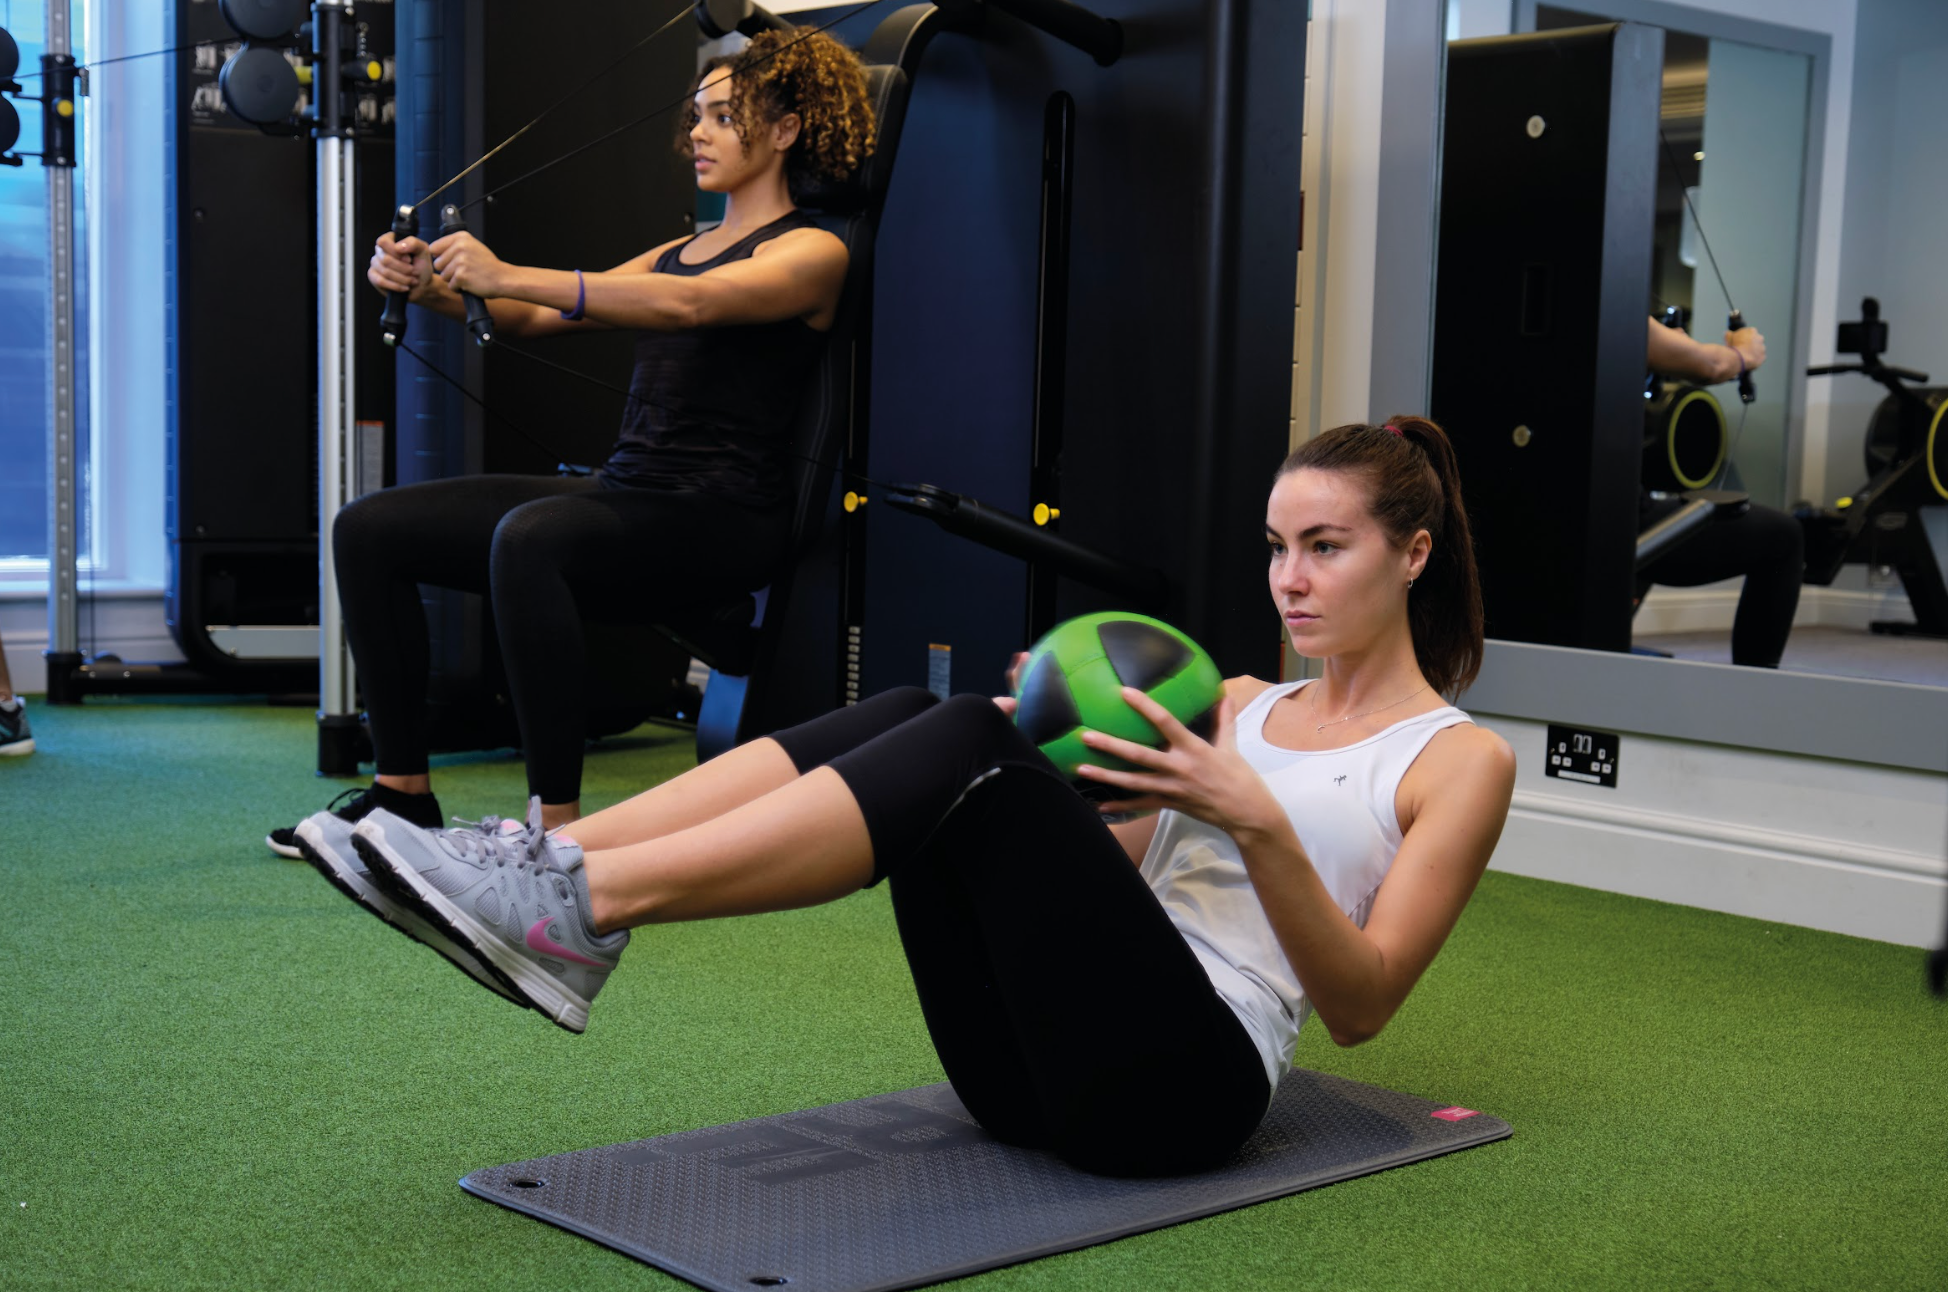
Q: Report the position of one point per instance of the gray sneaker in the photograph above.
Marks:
(517, 900)
(325, 840)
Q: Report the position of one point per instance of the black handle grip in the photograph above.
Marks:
(392, 323)
(1746, 393)
(479, 321)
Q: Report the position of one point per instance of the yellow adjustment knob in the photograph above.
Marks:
(304, 73)
(1045, 513)
(1844, 503)
(854, 501)
(64, 108)
(373, 70)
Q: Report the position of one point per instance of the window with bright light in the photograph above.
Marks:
(25, 328)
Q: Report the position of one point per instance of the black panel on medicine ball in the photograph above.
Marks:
(1141, 655)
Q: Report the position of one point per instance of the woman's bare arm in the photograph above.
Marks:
(1357, 978)
(1457, 794)
(407, 266)
(795, 275)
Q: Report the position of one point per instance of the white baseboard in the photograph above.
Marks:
(1846, 847)
(1711, 608)
(1886, 896)
(129, 626)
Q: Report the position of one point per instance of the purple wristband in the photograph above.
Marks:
(581, 299)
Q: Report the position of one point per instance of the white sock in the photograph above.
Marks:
(10, 705)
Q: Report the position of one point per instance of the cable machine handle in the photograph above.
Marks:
(1746, 393)
(479, 321)
(392, 323)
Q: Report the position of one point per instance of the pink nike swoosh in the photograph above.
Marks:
(547, 946)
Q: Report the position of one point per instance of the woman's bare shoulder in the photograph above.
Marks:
(1470, 757)
(1243, 690)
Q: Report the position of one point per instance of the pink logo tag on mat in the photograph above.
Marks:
(1453, 1114)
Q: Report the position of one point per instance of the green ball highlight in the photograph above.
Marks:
(1073, 678)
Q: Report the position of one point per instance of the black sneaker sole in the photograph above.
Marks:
(332, 877)
(380, 869)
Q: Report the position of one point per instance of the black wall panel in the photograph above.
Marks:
(1548, 194)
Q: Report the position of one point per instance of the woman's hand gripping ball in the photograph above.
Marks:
(1208, 780)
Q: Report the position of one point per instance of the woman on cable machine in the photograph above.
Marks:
(693, 502)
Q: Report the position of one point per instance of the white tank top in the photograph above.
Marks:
(1340, 802)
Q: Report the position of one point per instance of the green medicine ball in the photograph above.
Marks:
(1072, 683)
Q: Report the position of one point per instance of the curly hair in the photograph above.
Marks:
(798, 71)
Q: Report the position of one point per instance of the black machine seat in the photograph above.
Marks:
(737, 635)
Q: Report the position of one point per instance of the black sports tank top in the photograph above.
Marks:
(712, 409)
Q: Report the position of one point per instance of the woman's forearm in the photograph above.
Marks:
(1342, 972)
(512, 317)
(652, 302)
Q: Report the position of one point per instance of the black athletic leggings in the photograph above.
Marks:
(1067, 1010)
(1768, 547)
(548, 552)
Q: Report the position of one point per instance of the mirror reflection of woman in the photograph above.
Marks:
(1762, 545)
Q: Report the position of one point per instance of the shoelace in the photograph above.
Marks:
(357, 791)
(487, 839)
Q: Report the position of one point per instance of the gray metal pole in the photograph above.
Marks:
(63, 548)
(335, 378)
(337, 288)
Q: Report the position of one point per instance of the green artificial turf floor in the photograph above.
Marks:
(217, 1072)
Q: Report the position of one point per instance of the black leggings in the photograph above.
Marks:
(1067, 1010)
(548, 552)
(1768, 547)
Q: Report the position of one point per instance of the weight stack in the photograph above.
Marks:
(241, 487)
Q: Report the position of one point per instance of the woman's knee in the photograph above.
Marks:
(902, 703)
(362, 529)
(529, 541)
(976, 722)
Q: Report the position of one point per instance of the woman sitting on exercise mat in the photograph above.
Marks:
(693, 502)
(1313, 858)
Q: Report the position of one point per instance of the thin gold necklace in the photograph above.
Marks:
(1370, 712)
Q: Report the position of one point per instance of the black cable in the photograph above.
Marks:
(1677, 173)
(1671, 156)
(505, 420)
(626, 55)
(559, 456)
(531, 357)
(657, 112)
(147, 53)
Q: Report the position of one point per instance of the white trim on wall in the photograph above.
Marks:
(1710, 608)
(1819, 843)
(120, 621)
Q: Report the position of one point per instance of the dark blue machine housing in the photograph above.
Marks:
(1169, 380)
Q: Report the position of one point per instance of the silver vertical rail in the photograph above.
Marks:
(337, 375)
(63, 545)
(335, 386)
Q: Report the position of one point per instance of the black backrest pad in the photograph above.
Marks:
(851, 212)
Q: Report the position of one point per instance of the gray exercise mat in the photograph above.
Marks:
(900, 1190)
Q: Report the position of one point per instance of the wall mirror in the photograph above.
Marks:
(1745, 112)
